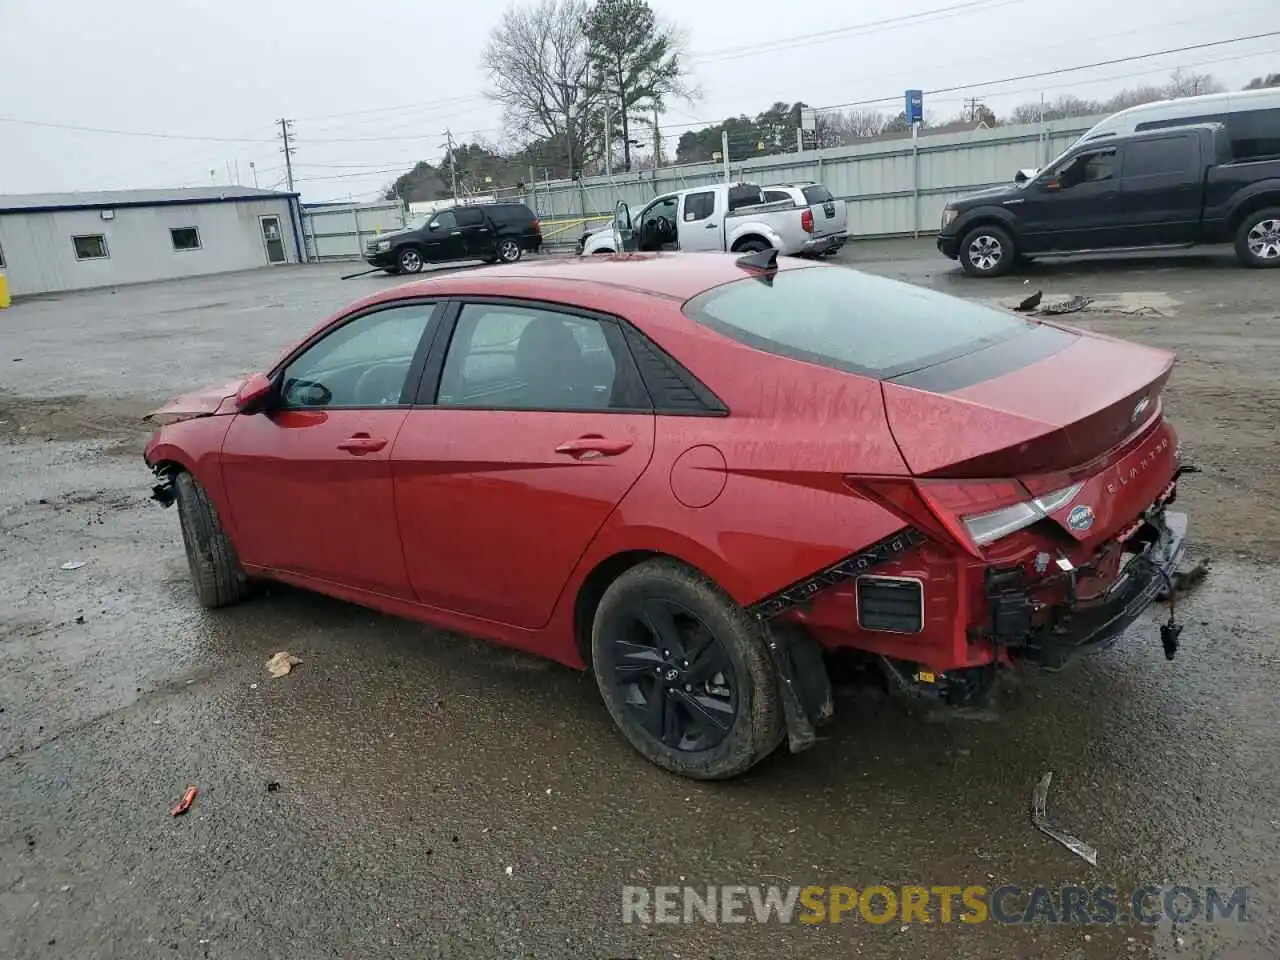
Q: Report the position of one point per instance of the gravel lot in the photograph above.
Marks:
(415, 768)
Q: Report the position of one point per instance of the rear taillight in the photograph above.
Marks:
(806, 221)
(537, 226)
(966, 514)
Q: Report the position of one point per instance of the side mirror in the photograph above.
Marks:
(433, 225)
(254, 393)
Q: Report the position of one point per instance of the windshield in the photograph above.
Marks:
(840, 318)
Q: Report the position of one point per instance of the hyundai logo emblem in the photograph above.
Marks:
(1139, 409)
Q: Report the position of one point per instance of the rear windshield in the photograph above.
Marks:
(817, 194)
(840, 318)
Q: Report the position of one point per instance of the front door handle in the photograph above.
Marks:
(592, 446)
(711, 226)
(456, 233)
(361, 443)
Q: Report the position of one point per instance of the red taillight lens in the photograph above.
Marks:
(806, 221)
(537, 225)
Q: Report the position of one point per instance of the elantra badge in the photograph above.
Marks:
(1139, 409)
(1080, 517)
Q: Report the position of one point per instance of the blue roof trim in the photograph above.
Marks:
(123, 204)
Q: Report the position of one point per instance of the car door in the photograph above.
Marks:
(536, 430)
(309, 479)
(701, 224)
(1071, 207)
(477, 232)
(442, 239)
(656, 225)
(1161, 187)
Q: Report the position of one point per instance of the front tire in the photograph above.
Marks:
(410, 260)
(987, 251)
(509, 251)
(1258, 239)
(216, 574)
(685, 673)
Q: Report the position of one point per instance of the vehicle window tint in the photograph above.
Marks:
(841, 318)
(363, 363)
(508, 357)
(445, 221)
(773, 196)
(1150, 158)
(699, 206)
(1092, 167)
(469, 217)
(1254, 133)
(817, 194)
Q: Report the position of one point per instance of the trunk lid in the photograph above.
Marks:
(205, 402)
(1082, 396)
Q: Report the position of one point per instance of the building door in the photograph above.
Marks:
(273, 239)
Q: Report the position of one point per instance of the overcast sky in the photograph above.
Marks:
(405, 70)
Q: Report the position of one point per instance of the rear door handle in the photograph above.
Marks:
(362, 443)
(591, 447)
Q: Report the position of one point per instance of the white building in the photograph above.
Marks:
(74, 241)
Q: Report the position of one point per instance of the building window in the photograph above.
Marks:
(185, 238)
(92, 247)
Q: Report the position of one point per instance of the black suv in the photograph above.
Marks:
(480, 231)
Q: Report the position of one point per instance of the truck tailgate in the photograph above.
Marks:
(829, 214)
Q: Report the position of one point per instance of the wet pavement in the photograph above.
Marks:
(440, 797)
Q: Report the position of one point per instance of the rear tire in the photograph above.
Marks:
(1258, 239)
(987, 251)
(216, 574)
(752, 246)
(685, 673)
(509, 250)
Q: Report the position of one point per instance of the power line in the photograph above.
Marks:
(128, 133)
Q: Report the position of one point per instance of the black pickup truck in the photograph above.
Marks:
(1171, 187)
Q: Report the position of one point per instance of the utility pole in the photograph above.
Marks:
(657, 141)
(254, 171)
(972, 104)
(288, 153)
(608, 142)
(453, 168)
(724, 152)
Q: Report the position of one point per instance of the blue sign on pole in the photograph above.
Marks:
(915, 106)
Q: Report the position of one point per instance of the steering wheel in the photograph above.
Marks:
(372, 391)
(664, 226)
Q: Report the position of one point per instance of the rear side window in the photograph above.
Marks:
(840, 318)
(469, 217)
(1167, 155)
(510, 213)
(817, 194)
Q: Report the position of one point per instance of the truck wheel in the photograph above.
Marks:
(410, 260)
(685, 673)
(509, 251)
(215, 570)
(987, 251)
(752, 246)
(1258, 239)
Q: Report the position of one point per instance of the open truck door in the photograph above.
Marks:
(624, 235)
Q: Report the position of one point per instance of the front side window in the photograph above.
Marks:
(1094, 166)
(513, 357)
(851, 321)
(444, 221)
(92, 247)
(184, 238)
(363, 363)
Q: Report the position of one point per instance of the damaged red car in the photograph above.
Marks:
(702, 477)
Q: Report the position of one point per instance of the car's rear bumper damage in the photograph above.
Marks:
(1081, 625)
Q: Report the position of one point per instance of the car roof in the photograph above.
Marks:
(672, 276)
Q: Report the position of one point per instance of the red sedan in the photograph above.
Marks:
(697, 475)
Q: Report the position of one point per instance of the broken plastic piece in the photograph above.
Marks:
(281, 663)
(184, 804)
(1074, 305)
(1039, 796)
(1029, 304)
(74, 564)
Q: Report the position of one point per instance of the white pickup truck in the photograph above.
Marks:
(726, 217)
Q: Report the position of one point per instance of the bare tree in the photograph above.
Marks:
(846, 126)
(537, 62)
(1188, 83)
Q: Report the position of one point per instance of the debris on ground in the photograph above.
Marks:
(281, 663)
(273, 787)
(1074, 305)
(74, 564)
(1039, 796)
(184, 804)
(1185, 578)
(1029, 304)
